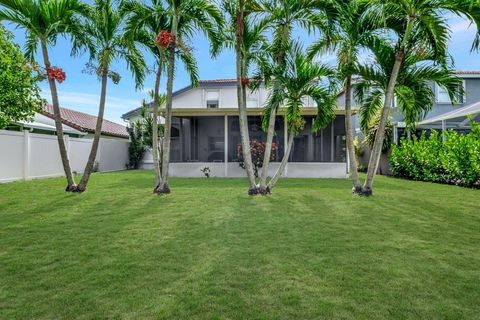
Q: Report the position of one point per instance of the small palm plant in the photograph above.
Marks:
(44, 21)
(105, 28)
(299, 80)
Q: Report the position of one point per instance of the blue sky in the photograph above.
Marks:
(80, 91)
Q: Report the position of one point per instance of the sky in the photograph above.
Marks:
(81, 91)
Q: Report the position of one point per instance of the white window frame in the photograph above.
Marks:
(437, 89)
(205, 93)
(255, 96)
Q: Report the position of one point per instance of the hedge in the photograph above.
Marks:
(453, 161)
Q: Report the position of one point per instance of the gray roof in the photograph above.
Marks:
(470, 110)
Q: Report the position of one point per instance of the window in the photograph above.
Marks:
(212, 98)
(252, 99)
(443, 97)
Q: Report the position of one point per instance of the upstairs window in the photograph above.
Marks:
(212, 98)
(252, 99)
(444, 98)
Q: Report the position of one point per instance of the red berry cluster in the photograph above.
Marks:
(55, 73)
(245, 81)
(164, 38)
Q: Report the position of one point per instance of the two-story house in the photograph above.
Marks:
(206, 133)
(448, 115)
(444, 114)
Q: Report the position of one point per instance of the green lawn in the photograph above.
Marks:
(208, 251)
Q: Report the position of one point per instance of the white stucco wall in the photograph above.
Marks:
(196, 98)
(233, 170)
(188, 99)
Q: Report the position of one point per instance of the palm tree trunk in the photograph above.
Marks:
(242, 102)
(280, 57)
(357, 186)
(164, 188)
(71, 186)
(268, 152)
(247, 154)
(155, 148)
(283, 164)
(380, 135)
(82, 186)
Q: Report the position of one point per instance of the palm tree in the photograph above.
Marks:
(143, 24)
(44, 21)
(416, 23)
(187, 16)
(413, 92)
(301, 79)
(281, 16)
(348, 35)
(247, 38)
(105, 28)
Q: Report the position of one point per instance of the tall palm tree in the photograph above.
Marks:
(281, 16)
(104, 26)
(300, 79)
(348, 36)
(143, 24)
(413, 92)
(187, 17)
(415, 23)
(44, 21)
(247, 38)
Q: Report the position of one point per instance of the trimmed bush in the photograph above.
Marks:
(455, 161)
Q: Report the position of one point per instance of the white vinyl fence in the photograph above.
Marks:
(25, 155)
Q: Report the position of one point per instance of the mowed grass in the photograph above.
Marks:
(208, 251)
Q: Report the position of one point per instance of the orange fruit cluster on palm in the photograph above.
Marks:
(164, 38)
(55, 73)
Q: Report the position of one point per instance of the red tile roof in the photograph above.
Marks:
(86, 122)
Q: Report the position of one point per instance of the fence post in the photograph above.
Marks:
(26, 154)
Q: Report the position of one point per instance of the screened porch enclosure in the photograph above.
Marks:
(202, 139)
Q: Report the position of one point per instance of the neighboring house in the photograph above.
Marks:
(74, 123)
(206, 133)
(86, 123)
(445, 115)
(453, 114)
(42, 124)
(33, 146)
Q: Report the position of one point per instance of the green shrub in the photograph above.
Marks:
(137, 147)
(454, 161)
